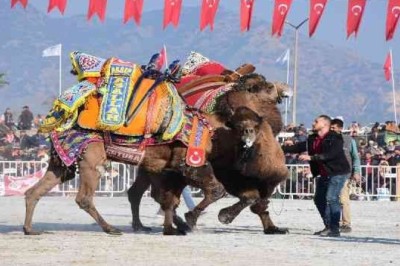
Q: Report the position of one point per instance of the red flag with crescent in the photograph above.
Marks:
(354, 15)
(172, 11)
(246, 9)
(97, 7)
(23, 3)
(387, 67)
(317, 7)
(392, 17)
(208, 11)
(60, 4)
(281, 9)
(133, 8)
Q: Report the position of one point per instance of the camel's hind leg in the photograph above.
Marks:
(213, 191)
(91, 167)
(135, 194)
(54, 175)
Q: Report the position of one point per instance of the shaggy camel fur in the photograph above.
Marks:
(256, 93)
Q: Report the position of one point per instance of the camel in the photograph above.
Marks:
(159, 161)
(251, 91)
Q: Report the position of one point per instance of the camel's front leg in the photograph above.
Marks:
(54, 175)
(213, 190)
(248, 197)
(91, 168)
(260, 208)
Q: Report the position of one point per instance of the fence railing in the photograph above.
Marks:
(378, 182)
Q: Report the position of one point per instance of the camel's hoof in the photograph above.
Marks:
(140, 228)
(113, 231)
(191, 219)
(181, 224)
(33, 233)
(174, 232)
(276, 231)
(225, 217)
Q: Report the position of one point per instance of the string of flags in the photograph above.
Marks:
(172, 9)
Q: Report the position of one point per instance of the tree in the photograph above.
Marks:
(3, 81)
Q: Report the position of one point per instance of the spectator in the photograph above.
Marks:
(350, 150)
(38, 121)
(329, 165)
(8, 119)
(25, 119)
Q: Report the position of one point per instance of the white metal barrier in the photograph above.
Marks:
(378, 182)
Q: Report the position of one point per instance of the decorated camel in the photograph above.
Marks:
(252, 185)
(80, 141)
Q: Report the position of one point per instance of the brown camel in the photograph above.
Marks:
(253, 92)
(259, 166)
(91, 167)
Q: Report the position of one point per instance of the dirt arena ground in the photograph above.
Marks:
(74, 239)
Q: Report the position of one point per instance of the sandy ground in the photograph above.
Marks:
(74, 239)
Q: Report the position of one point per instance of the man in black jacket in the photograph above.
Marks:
(329, 165)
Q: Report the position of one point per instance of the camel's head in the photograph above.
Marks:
(271, 92)
(246, 123)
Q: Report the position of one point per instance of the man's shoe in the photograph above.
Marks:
(330, 233)
(345, 229)
(324, 231)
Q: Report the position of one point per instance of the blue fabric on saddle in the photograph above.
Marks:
(64, 112)
(119, 77)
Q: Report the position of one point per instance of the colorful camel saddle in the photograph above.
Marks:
(86, 65)
(64, 112)
(195, 134)
(160, 113)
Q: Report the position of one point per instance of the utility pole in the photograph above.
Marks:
(296, 44)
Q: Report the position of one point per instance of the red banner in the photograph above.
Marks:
(387, 67)
(133, 8)
(281, 9)
(23, 3)
(17, 185)
(172, 11)
(317, 7)
(392, 17)
(208, 11)
(60, 4)
(97, 7)
(354, 15)
(246, 9)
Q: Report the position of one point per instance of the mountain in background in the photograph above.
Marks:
(331, 80)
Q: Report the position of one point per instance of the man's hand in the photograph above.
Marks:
(356, 177)
(305, 157)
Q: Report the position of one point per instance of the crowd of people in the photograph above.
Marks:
(20, 139)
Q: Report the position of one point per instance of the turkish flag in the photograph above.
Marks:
(97, 7)
(354, 14)
(246, 9)
(24, 3)
(208, 11)
(281, 9)
(162, 58)
(60, 4)
(392, 17)
(133, 8)
(387, 67)
(172, 11)
(317, 7)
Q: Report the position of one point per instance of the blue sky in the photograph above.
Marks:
(370, 42)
